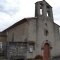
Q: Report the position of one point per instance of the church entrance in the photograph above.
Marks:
(46, 51)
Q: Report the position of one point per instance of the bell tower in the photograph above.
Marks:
(42, 8)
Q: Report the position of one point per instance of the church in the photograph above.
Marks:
(32, 38)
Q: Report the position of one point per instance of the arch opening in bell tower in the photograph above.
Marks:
(44, 9)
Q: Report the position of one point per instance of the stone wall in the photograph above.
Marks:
(16, 49)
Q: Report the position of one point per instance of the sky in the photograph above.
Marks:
(11, 11)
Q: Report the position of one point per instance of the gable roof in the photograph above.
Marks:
(18, 23)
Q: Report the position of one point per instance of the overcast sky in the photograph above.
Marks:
(11, 11)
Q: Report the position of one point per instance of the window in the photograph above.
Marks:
(46, 32)
(48, 13)
(31, 46)
(1, 50)
(40, 11)
(31, 49)
(41, 5)
(0, 45)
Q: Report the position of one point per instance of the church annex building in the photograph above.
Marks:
(32, 38)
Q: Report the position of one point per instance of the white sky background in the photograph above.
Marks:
(12, 11)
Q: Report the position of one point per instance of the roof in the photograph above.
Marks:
(18, 23)
(41, 2)
(56, 24)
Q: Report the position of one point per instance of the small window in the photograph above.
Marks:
(46, 32)
(1, 50)
(31, 49)
(0, 45)
(40, 11)
(48, 13)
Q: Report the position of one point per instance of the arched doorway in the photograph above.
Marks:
(46, 51)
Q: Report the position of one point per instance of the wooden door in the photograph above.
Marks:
(46, 51)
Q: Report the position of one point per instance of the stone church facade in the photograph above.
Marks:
(32, 38)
